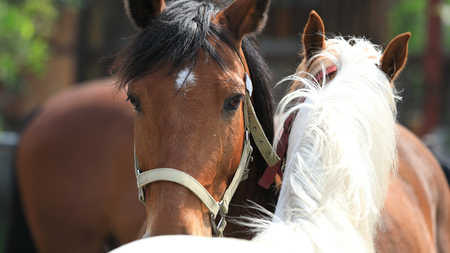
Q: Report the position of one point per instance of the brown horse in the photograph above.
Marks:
(416, 214)
(74, 162)
(189, 75)
(74, 171)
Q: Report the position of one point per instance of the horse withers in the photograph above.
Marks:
(189, 75)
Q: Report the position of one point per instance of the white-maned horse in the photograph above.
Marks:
(340, 157)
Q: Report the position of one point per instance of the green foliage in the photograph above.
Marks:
(445, 15)
(409, 15)
(24, 31)
(23, 46)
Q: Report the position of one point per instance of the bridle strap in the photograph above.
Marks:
(268, 177)
(240, 175)
(328, 71)
(259, 136)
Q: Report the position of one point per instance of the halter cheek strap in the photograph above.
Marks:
(215, 208)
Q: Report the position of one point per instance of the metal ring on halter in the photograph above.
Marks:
(220, 227)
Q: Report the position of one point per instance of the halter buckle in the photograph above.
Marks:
(220, 227)
(141, 194)
(246, 169)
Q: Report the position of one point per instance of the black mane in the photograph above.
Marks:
(176, 36)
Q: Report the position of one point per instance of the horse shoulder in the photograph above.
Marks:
(416, 217)
(75, 158)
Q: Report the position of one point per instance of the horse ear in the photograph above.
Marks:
(244, 17)
(313, 35)
(141, 12)
(395, 55)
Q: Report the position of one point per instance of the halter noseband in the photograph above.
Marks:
(252, 126)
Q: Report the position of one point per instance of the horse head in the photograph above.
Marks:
(189, 73)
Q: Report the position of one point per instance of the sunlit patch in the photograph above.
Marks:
(185, 77)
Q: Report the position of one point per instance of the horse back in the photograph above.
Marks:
(416, 217)
(75, 171)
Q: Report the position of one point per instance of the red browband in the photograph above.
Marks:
(328, 71)
(269, 175)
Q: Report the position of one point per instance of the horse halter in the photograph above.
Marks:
(252, 126)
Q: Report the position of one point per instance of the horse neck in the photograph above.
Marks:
(340, 155)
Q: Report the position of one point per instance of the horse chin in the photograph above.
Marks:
(192, 228)
(182, 214)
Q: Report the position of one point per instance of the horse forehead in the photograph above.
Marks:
(208, 73)
(185, 77)
(216, 80)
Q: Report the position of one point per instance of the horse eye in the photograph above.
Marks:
(135, 102)
(234, 103)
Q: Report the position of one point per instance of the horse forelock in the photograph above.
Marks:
(341, 150)
(175, 37)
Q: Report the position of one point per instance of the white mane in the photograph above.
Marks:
(340, 155)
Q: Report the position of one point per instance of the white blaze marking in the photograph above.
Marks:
(185, 76)
(248, 83)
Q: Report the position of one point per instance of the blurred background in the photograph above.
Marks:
(47, 46)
